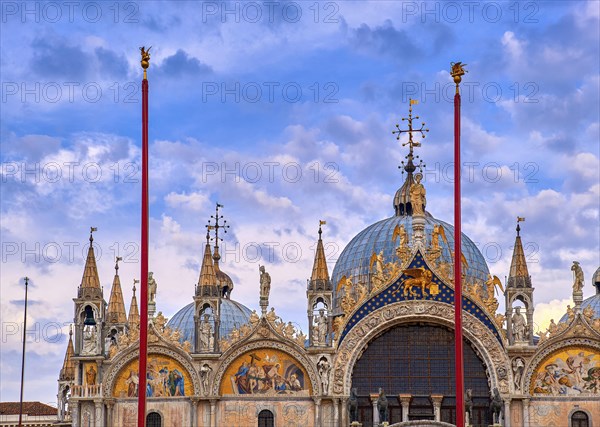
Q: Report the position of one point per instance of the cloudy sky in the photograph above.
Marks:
(283, 113)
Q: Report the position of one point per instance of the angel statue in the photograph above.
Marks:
(400, 231)
(438, 231)
(378, 277)
(495, 282)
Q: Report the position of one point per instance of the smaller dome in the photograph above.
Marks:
(593, 302)
(233, 315)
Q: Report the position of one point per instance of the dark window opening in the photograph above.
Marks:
(153, 419)
(419, 360)
(266, 419)
(580, 419)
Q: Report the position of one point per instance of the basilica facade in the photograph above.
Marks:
(381, 324)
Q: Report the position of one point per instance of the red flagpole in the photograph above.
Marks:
(458, 332)
(144, 269)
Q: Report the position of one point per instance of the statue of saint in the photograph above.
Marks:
(519, 325)
(206, 333)
(321, 328)
(89, 340)
(417, 196)
(204, 377)
(90, 375)
(265, 283)
(577, 277)
(518, 365)
(151, 288)
(324, 368)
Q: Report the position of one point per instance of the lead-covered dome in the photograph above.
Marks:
(354, 259)
(233, 315)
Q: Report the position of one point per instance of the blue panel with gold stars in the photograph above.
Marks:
(438, 292)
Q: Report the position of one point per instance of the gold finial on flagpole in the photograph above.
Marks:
(457, 72)
(145, 62)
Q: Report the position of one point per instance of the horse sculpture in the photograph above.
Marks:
(496, 406)
(353, 406)
(469, 404)
(382, 406)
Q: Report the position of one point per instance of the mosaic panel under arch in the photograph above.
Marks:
(265, 371)
(568, 371)
(166, 377)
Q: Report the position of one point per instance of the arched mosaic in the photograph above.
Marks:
(265, 371)
(165, 377)
(568, 371)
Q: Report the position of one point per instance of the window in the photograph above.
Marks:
(153, 419)
(266, 419)
(579, 419)
(418, 359)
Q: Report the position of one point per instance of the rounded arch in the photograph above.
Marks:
(132, 354)
(375, 323)
(521, 297)
(545, 354)
(573, 412)
(231, 355)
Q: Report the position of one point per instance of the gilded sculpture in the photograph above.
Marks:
(417, 196)
(420, 278)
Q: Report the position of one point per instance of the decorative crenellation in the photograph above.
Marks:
(264, 327)
(157, 329)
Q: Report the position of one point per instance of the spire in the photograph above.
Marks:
(402, 205)
(90, 272)
(223, 281)
(67, 373)
(116, 305)
(320, 271)
(207, 271)
(134, 314)
(519, 275)
(319, 278)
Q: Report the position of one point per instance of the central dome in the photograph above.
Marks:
(354, 259)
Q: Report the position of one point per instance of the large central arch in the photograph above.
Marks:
(418, 360)
(485, 344)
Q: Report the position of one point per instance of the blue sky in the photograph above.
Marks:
(282, 112)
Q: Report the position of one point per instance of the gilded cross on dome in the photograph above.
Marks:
(409, 167)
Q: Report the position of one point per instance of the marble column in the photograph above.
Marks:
(317, 412)
(74, 408)
(194, 409)
(336, 412)
(98, 414)
(374, 397)
(436, 399)
(110, 404)
(405, 402)
(525, 412)
(213, 413)
(344, 417)
(507, 413)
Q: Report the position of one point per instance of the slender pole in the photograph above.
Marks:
(144, 269)
(23, 356)
(458, 331)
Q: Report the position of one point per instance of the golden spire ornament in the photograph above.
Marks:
(145, 61)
